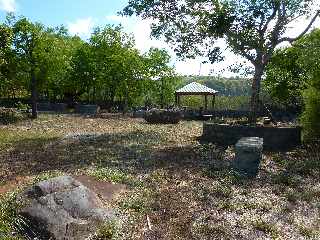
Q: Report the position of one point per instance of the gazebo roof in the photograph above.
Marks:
(196, 88)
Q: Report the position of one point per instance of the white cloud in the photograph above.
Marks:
(81, 27)
(8, 5)
(116, 18)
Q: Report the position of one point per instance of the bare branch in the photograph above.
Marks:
(290, 40)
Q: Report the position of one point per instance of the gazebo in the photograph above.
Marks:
(198, 89)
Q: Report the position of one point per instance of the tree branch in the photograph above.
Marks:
(290, 40)
(272, 16)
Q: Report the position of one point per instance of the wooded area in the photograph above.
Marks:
(49, 64)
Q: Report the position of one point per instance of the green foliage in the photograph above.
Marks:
(10, 115)
(22, 107)
(291, 69)
(268, 228)
(58, 67)
(113, 175)
(190, 25)
(108, 231)
(284, 77)
(311, 115)
(10, 221)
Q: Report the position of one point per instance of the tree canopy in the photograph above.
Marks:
(49, 64)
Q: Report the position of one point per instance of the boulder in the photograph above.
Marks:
(62, 208)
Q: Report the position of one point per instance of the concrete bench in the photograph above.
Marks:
(248, 156)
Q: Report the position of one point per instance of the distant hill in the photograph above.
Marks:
(225, 86)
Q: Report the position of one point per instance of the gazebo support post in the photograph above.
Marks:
(213, 101)
(177, 100)
(206, 102)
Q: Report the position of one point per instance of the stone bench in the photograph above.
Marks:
(248, 155)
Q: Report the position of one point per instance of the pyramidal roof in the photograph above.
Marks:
(195, 87)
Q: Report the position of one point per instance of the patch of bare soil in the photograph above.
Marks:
(105, 190)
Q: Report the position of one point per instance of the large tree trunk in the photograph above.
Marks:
(255, 92)
(162, 95)
(34, 94)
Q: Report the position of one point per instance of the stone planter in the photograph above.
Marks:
(275, 138)
(87, 109)
(157, 116)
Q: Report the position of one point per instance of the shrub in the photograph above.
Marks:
(311, 116)
(10, 115)
(163, 116)
(23, 107)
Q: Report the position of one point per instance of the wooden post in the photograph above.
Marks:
(206, 102)
(213, 101)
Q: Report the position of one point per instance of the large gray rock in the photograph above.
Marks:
(63, 208)
(248, 155)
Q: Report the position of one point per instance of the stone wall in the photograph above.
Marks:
(55, 107)
(275, 138)
(87, 109)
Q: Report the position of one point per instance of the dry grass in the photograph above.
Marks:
(184, 188)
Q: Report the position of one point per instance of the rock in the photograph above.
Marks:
(62, 208)
(248, 155)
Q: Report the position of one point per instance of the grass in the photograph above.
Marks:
(184, 189)
(266, 227)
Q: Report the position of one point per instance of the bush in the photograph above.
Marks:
(163, 116)
(10, 115)
(23, 107)
(310, 118)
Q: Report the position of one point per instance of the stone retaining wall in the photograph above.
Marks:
(275, 138)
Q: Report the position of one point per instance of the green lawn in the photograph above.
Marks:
(185, 189)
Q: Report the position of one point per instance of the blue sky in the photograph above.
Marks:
(81, 16)
(56, 12)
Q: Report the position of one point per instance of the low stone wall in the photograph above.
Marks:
(275, 138)
(87, 109)
(55, 107)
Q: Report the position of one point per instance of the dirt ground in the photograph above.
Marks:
(175, 186)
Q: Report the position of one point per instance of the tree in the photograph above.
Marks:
(29, 45)
(291, 69)
(117, 63)
(5, 41)
(251, 28)
(161, 75)
(284, 76)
